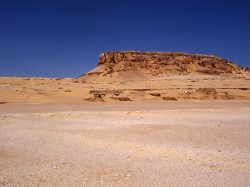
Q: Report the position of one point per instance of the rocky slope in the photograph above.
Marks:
(165, 63)
(134, 75)
(138, 76)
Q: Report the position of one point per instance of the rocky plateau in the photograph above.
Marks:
(164, 63)
(126, 76)
(148, 75)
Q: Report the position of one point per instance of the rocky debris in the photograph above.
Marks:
(99, 95)
(96, 98)
(105, 92)
(170, 95)
(155, 94)
(121, 98)
(161, 62)
(169, 99)
(206, 90)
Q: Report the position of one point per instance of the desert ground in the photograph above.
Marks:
(184, 143)
(124, 87)
(137, 119)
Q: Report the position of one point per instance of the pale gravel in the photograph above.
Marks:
(125, 144)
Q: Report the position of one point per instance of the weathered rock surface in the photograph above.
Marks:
(164, 76)
(164, 62)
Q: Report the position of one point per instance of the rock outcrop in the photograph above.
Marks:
(164, 76)
(164, 62)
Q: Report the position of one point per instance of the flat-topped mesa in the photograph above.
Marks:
(163, 62)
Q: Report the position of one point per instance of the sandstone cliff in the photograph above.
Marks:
(167, 62)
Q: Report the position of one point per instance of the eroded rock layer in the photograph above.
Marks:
(164, 62)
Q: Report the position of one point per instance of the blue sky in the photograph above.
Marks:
(59, 38)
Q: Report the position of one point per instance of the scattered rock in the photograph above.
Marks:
(169, 99)
(155, 94)
(121, 98)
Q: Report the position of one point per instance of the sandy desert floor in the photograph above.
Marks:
(191, 143)
(56, 90)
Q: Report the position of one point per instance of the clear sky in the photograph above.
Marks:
(63, 38)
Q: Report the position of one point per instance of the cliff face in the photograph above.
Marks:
(143, 76)
(164, 62)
